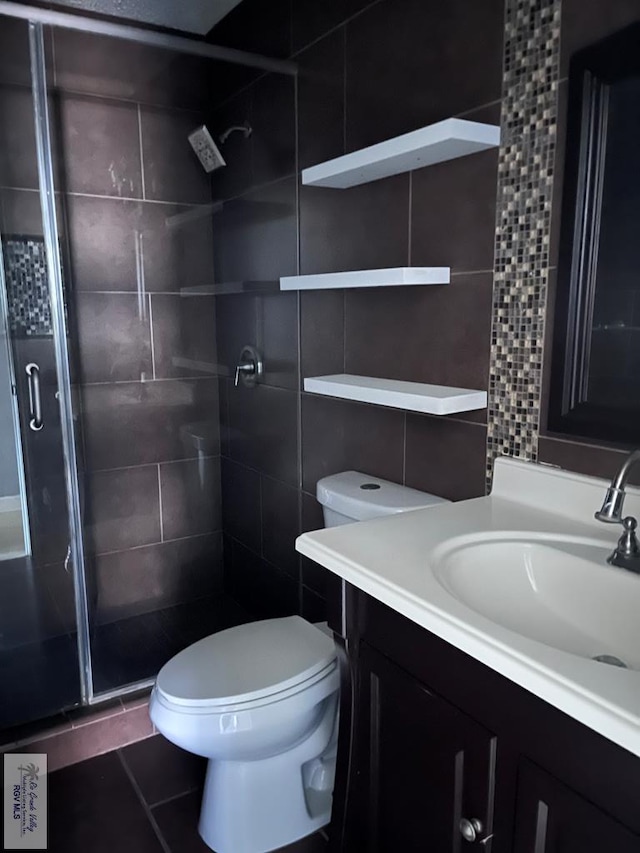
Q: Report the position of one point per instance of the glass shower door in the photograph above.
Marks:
(39, 669)
(139, 217)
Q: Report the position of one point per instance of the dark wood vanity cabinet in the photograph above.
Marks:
(430, 738)
(423, 765)
(552, 818)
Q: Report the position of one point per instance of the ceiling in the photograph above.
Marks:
(192, 16)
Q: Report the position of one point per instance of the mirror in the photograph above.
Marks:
(595, 381)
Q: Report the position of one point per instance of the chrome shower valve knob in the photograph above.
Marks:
(249, 367)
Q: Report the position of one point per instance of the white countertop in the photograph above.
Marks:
(389, 558)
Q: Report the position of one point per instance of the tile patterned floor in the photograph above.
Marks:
(143, 798)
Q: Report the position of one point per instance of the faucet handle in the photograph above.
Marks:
(627, 552)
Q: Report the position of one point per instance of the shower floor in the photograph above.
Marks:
(40, 679)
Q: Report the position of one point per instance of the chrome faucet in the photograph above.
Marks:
(627, 552)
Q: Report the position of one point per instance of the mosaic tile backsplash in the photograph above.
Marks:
(523, 225)
(25, 269)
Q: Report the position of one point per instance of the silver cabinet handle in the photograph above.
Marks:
(35, 405)
(470, 829)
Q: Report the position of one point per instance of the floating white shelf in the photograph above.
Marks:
(445, 140)
(411, 396)
(396, 276)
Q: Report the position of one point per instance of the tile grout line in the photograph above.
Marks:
(131, 198)
(162, 542)
(163, 202)
(143, 803)
(410, 215)
(144, 189)
(261, 516)
(463, 273)
(344, 89)
(334, 28)
(210, 377)
(151, 337)
(151, 465)
(270, 563)
(404, 451)
(171, 799)
(160, 504)
(132, 292)
(344, 331)
(479, 107)
(121, 99)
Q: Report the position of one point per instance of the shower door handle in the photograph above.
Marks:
(35, 404)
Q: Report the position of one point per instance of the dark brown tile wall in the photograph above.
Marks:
(107, 67)
(363, 67)
(582, 24)
(156, 576)
(431, 61)
(147, 354)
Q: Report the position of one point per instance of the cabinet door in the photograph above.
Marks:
(552, 818)
(421, 766)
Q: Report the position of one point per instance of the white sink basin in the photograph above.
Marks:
(557, 591)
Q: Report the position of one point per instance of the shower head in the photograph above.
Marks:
(206, 150)
(245, 129)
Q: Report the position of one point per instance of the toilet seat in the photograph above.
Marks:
(306, 689)
(247, 666)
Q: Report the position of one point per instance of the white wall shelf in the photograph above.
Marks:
(410, 396)
(445, 140)
(396, 276)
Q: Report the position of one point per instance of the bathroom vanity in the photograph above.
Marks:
(473, 712)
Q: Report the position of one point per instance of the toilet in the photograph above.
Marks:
(260, 702)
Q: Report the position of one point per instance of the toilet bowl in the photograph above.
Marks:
(260, 702)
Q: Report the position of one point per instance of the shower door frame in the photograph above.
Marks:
(37, 19)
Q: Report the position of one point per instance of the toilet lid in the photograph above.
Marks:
(247, 662)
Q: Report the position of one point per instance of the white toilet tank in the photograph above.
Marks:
(352, 496)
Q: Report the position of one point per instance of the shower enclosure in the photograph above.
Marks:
(110, 534)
